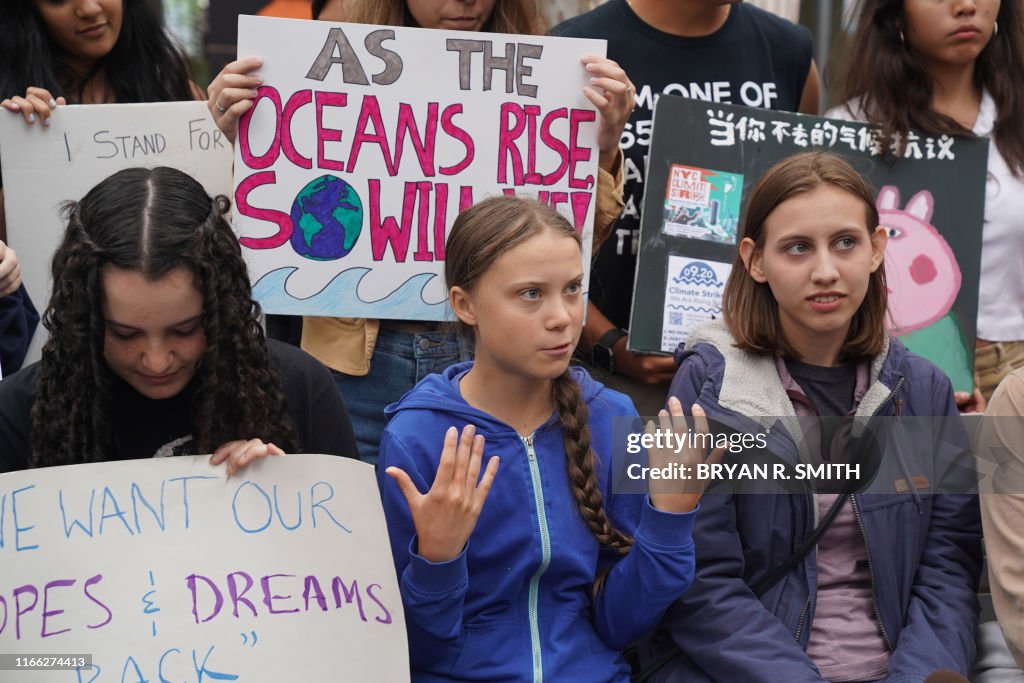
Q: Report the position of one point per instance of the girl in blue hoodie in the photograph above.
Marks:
(888, 591)
(554, 575)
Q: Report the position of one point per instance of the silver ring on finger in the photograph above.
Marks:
(219, 108)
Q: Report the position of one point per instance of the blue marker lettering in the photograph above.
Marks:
(19, 529)
(319, 504)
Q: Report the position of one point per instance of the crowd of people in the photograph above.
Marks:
(516, 556)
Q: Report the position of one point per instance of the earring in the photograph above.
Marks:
(902, 41)
(995, 30)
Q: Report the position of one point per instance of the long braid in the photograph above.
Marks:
(580, 460)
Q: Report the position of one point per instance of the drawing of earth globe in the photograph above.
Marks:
(327, 217)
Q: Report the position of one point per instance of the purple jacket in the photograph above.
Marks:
(924, 547)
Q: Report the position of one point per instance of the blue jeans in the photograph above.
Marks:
(400, 360)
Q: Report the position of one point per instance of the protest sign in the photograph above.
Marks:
(164, 569)
(365, 142)
(45, 166)
(705, 159)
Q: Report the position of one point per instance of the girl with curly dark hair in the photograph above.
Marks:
(953, 67)
(155, 346)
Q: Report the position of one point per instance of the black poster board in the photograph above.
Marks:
(706, 157)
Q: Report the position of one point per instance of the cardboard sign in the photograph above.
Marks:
(705, 159)
(365, 142)
(164, 569)
(45, 166)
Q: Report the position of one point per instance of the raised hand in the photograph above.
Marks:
(680, 494)
(446, 515)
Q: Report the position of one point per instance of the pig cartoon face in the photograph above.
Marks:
(920, 270)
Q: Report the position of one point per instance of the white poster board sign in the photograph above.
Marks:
(164, 569)
(44, 166)
(365, 142)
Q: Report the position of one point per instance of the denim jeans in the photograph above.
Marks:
(400, 360)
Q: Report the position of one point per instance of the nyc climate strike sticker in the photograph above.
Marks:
(702, 204)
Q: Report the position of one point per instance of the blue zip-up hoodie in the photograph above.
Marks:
(924, 549)
(516, 605)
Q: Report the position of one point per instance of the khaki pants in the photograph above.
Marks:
(994, 362)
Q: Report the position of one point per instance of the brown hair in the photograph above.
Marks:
(521, 17)
(480, 235)
(749, 308)
(893, 88)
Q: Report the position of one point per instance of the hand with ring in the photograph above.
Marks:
(232, 92)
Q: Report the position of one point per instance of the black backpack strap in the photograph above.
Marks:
(774, 576)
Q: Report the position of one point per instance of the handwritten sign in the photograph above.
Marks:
(163, 569)
(46, 166)
(365, 142)
(705, 158)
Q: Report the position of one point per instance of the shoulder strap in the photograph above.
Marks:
(763, 586)
(774, 576)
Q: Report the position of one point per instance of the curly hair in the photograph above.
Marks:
(519, 17)
(152, 221)
(893, 88)
(144, 65)
(480, 235)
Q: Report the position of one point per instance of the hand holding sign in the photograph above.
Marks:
(687, 451)
(10, 271)
(232, 92)
(241, 452)
(446, 515)
(614, 95)
(37, 103)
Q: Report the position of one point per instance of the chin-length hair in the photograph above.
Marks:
(152, 221)
(749, 308)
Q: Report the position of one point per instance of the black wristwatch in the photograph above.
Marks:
(602, 354)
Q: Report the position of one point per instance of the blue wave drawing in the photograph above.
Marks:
(693, 309)
(339, 298)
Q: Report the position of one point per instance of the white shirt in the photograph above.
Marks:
(1001, 290)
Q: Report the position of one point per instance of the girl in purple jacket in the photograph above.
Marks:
(885, 590)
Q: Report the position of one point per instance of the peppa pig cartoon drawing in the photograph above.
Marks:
(923, 279)
(920, 268)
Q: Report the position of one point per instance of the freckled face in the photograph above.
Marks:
(453, 15)
(154, 333)
(84, 31)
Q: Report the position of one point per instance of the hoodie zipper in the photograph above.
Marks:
(545, 541)
(856, 514)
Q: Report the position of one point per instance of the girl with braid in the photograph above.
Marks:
(555, 574)
(155, 347)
